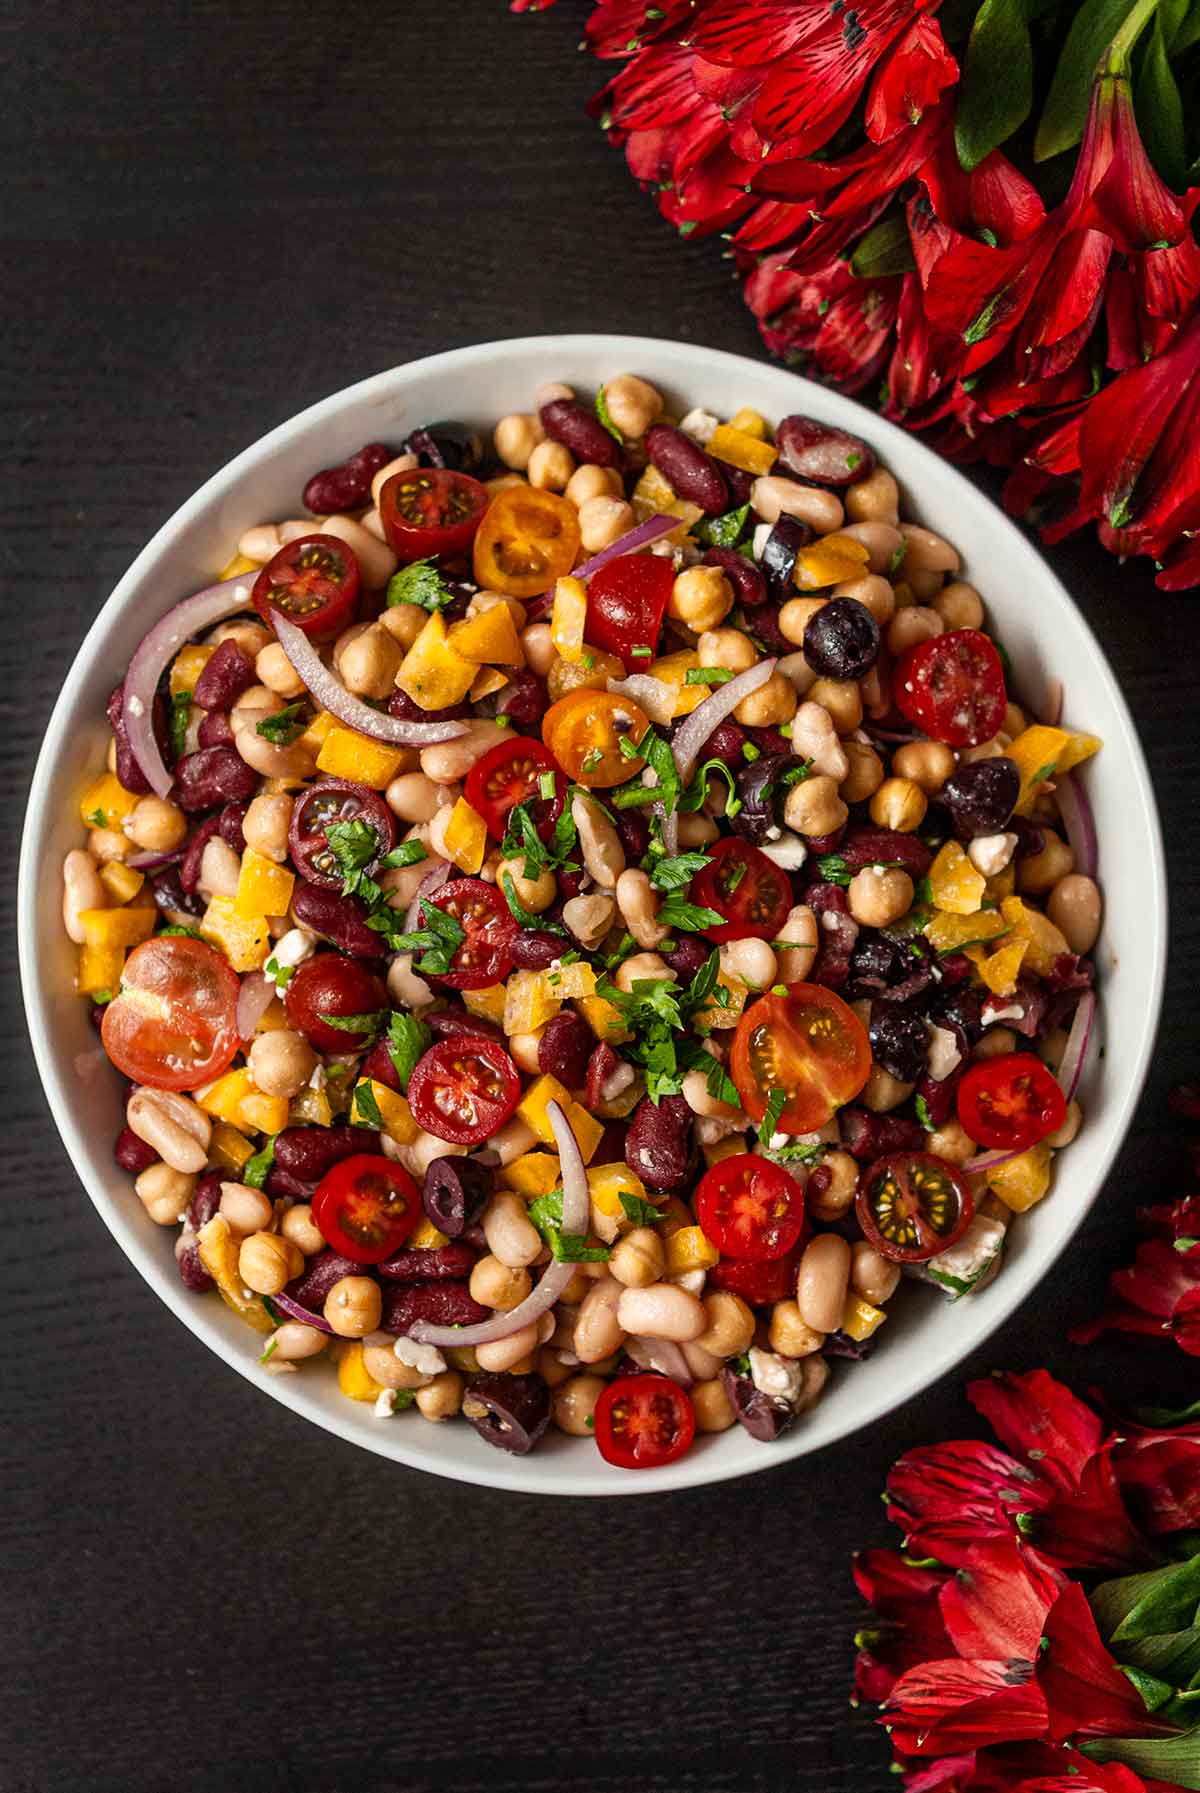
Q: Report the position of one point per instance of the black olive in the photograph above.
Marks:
(764, 1416)
(762, 787)
(510, 1412)
(445, 445)
(877, 962)
(899, 1041)
(841, 640)
(777, 562)
(455, 1194)
(981, 796)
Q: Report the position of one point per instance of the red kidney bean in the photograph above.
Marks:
(658, 1145)
(339, 919)
(524, 700)
(189, 865)
(227, 674)
(820, 844)
(231, 819)
(693, 474)
(570, 884)
(818, 452)
(455, 1194)
(726, 742)
(348, 487)
(447, 1023)
(132, 1153)
(763, 1416)
(401, 704)
(517, 1411)
(740, 483)
(938, 1093)
(868, 1136)
(439, 1263)
(279, 1183)
(129, 773)
(206, 1199)
(634, 832)
(319, 1275)
(764, 626)
(214, 730)
(535, 949)
(565, 1048)
(687, 955)
(566, 420)
(378, 1066)
(601, 1064)
(440, 1303)
(308, 1152)
(211, 777)
(749, 586)
(884, 846)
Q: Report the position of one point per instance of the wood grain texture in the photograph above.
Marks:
(214, 216)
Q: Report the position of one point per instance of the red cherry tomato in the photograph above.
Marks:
(808, 1043)
(750, 1207)
(760, 1281)
(484, 957)
(626, 603)
(744, 886)
(511, 772)
(173, 1024)
(644, 1422)
(464, 1089)
(314, 581)
(366, 1207)
(333, 985)
(319, 806)
(1009, 1103)
(952, 687)
(431, 511)
(912, 1205)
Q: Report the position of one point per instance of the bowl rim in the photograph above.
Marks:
(495, 1470)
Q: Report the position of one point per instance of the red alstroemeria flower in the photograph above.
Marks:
(996, 1605)
(1087, 1695)
(904, 1597)
(909, 81)
(942, 1707)
(1159, 1472)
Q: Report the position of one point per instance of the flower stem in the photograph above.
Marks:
(1116, 57)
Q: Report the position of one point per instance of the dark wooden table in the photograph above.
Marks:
(213, 216)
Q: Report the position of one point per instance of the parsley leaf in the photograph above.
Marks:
(567, 1248)
(833, 869)
(640, 1212)
(178, 928)
(922, 1108)
(407, 1039)
(735, 875)
(689, 918)
(409, 852)
(720, 1084)
(776, 1103)
(704, 983)
(419, 583)
(354, 845)
(254, 1171)
(177, 725)
(801, 1153)
(707, 675)
(280, 975)
(693, 798)
(674, 872)
(604, 416)
(285, 726)
(364, 1023)
(521, 839)
(721, 532)
(897, 559)
(520, 914)
(365, 1110)
(741, 1363)
(437, 941)
(656, 751)
(97, 819)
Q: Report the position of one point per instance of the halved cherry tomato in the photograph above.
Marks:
(431, 511)
(750, 1207)
(644, 1422)
(760, 1281)
(528, 539)
(173, 1024)
(510, 773)
(314, 581)
(808, 1043)
(952, 687)
(583, 731)
(748, 889)
(366, 1206)
(1009, 1103)
(485, 956)
(464, 1089)
(318, 808)
(330, 988)
(912, 1205)
(626, 603)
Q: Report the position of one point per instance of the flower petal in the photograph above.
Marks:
(997, 1602)
(1132, 203)
(909, 80)
(1086, 1693)
(1041, 1420)
(947, 1498)
(940, 1708)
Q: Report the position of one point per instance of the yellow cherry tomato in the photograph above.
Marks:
(527, 540)
(583, 731)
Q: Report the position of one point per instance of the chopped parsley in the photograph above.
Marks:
(419, 583)
(97, 819)
(522, 840)
(694, 797)
(285, 726)
(100, 997)
(689, 918)
(721, 532)
(734, 876)
(280, 975)
(922, 1109)
(365, 1109)
(355, 846)
(776, 1103)
(604, 416)
(255, 1170)
(658, 1012)
(750, 752)
(178, 928)
(546, 786)
(437, 941)
(177, 724)
(707, 675)
(365, 1023)
(834, 870)
(740, 1364)
(852, 461)
(407, 1038)
(677, 870)
(1043, 772)
(801, 1153)
(520, 914)
(566, 1248)
(656, 751)
(639, 651)
(897, 559)
(639, 1212)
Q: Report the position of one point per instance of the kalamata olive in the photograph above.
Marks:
(438, 1303)
(885, 846)
(437, 1263)
(213, 776)
(749, 585)
(170, 898)
(445, 444)
(899, 1041)
(348, 486)
(868, 1136)
(564, 1049)
(1029, 1000)
(455, 1194)
(535, 949)
(841, 640)
(684, 465)
(132, 1153)
(634, 831)
(306, 1153)
(981, 796)
(524, 699)
(319, 1275)
(688, 955)
(763, 1416)
(840, 1344)
(339, 919)
(922, 977)
(510, 1412)
(877, 962)
(129, 773)
(817, 452)
(961, 1008)
(777, 562)
(658, 1145)
(566, 420)
(762, 789)
(214, 730)
(225, 676)
(1030, 838)
(402, 705)
(193, 853)
(837, 934)
(938, 1093)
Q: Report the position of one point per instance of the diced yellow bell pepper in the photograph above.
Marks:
(489, 638)
(1001, 885)
(1041, 752)
(604, 1019)
(487, 680)
(263, 1114)
(225, 1094)
(1046, 942)
(465, 839)
(243, 939)
(347, 754)
(532, 1174)
(829, 561)
(100, 969)
(729, 1147)
(432, 672)
(106, 802)
(273, 1017)
(425, 1237)
(690, 1248)
(218, 1251)
(121, 881)
(311, 1108)
(952, 933)
(233, 569)
(673, 669)
(751, 423)
(187, 666)
(715, 1016)
(999, 972)
(533, 1111)
(587, 1129)
(607, 1183)
(264, 888)
(569, 983)
(228, 1149)
(319, 730)
(106, 928)
(527, 1004)
(487, 1003)
(353, 1379)
(860, 1320)
(567, 619)
(653, 495)
(394, 1111)
(1021, 1182)
(738, 448)
(955, 885)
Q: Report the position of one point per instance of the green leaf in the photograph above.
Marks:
(922, 1109)
(885, 249)
(694, 797)
(419, 583)
(721, 532)
(181, 710)
(1155, 1692)
(833, 869)
(1159, 110)
(101, 997)
(409, 852)
(707, 675)
(1065, 112)
(638, 1212)
(280, 975)
(956, 18)
(1187, 31)
(604, 416)
(1173, 1656)
(1167, 1416)
(1175, 1760)
(285, 726)
(525, 917)
(1150, 1604)
(689, 918)
(678, 870)
(996, 94)
(254, 1171)
(184, 933)
(365, 1112)
(407, 1038)
(776, 1103)
(356, 1023)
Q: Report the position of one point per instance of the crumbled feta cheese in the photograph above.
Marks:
(778, 1141)
(943, 1055)
(318, 1079)
(774, 1375)
(698, 424)
(762, 535)
(385, 1403)
(293, 947)
(426, 1358)
(1013, 1012)
(691, 1280)
(961, 1269)
(990, 853)
(830, 919)
(788, 852)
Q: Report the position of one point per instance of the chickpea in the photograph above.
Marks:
(872, 1275)
(639, 1258)
(834, 1202)
(277, 673)
(550, 466)
(712, 1407)
(924, 584)
(533, 893)
(107, 846)
(220, 869)
(729, 648)
(299, 1226)
(926, 552)
(404, 623)
(252, 637)
(910, 625)
(592, 673)
(899, 804)
(996, 1043)
(265, 825)
(441, 1398)
(281, 1062)
(875, 497)
(1040, 872)
(926, 763)
(795, 616)
(701, 597)
(751, 962)
(574, 1404)
(156, 825)
(1062, 1136)
(540, 652)
(882, 1092)
(789, 1334)
(247, 1210)
(383, 1366)
(370, 662)
(632, 404)
(865, 774)
(697, 830)
(873, 592)
(296, 761)
(515, 438)
(164, 1193)
(842, 699)
(353, 1306)
(729, 1324)
(799, 931)
(879, 895)
(814, 808)
(497, 1285)
(952, 1142)
(773, 703)
(603, 521)
(549, 390)
(1014, 721)
(295, 1341)
(267, 1262)
(1074, 908)
(590, 481)
(959, 605)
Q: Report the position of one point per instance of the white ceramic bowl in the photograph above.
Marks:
(1044, 634)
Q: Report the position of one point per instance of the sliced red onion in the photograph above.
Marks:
(556, 1276)
(254, 999)
(989, 1160)
(323, 684)
(897, 737)
(433, 880)
(669, 825)
(1052, 703)
(660, 1355)
(154, 862)
(655, 696)
(295, 1311)
(1071, 1068)
(1079, 822)
(645, 533)
(695, 729)
(157, 650)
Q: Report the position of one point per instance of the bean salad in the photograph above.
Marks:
(585, 924)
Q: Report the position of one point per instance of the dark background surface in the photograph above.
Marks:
(214, 216)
